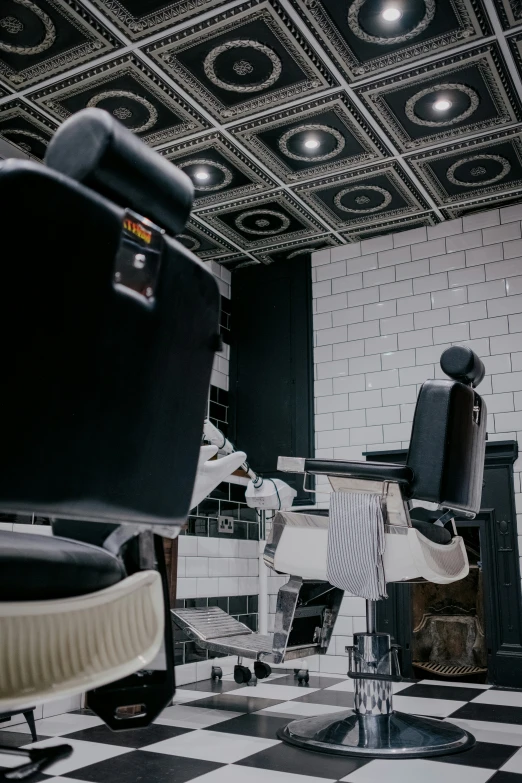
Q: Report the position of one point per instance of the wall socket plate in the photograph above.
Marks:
(225, 524)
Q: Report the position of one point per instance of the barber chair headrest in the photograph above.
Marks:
(93, 148)
(462, 364)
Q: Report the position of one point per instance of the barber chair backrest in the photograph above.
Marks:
(109, 328)
(448, 438)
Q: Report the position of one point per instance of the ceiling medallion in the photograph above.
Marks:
(29, 134)
(387, 197)
(227, 174)
(478, 171)
(194, 243)
(212, 56)
(362, 200)
(285, 222)
(262, 223)
(412, 102)
(153, 114)
(48, 39)
(353, 23)
(11, 25)
(506, 168)
(122, 113)
(285, 138)
(242, 67)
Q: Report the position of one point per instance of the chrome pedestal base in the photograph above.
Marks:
(396, 735)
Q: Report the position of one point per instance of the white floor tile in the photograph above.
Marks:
(63, 780)
(61, 724)
(414, 770)
(281, 692)
(452, 684)
(84, 754)
(438, 708)
(346, 685)
(239, 774)
(194, 717)
(485, 731)
(301, 708)
(504, 698)
(212, 746)
(514, 764)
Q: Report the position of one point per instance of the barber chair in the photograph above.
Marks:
(109, 332)
(444, 467)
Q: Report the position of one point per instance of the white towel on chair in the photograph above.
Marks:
(356, 544)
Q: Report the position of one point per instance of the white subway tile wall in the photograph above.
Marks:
(459, 282)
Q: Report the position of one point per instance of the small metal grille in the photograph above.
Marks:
(449, 671)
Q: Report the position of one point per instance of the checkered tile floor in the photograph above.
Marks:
(225, 733)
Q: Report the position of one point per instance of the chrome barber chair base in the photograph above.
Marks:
(397, 735)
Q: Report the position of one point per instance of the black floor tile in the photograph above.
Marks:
(488, 755)
(234, 703)
(496, 713)
(144, 767)
(131, 738)
(14, 739)
(211, 686)
(253, 725)
(285, 758)
(442, 692)
(316, 681)
(505, 777)
(333, 698)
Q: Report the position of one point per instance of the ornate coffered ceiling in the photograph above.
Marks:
(303, 123)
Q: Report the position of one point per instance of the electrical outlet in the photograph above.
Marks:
(225, 524)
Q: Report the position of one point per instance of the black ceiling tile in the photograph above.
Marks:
(343, 139)
(243, 61)
(510, 13)
(140, 18)
(475, 84)
(40, 39)
(395, 226)
(363, 197)
(362, 42)
(219, 171)
(482, 204)
(131, 92)
(3, 92)
(262, 220)
(25, 127)
(287, 250)
(236, 262)
(203, 242)
(472, 169)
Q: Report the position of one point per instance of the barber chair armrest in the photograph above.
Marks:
(372, 471)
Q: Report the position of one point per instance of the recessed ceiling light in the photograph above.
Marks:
(201, 175)
(312, 144)
(442, 104)
(391, 14)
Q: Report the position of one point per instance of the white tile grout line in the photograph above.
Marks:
(135, 47)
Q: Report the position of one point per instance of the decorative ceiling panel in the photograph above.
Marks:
(204, 242)
(445, 100)
(20, 124)
(42, 39)
(285, 251)
(248, 59)
(312, 139)
(481, 204)
(131, 92)
(472, 169)
(302, 123)
(218, 170)
(392, 226)
(140, 18)
(262, 221)
(363, 41)
(363, 197)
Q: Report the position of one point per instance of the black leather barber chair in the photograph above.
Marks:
(445, 467)
(109, 331)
